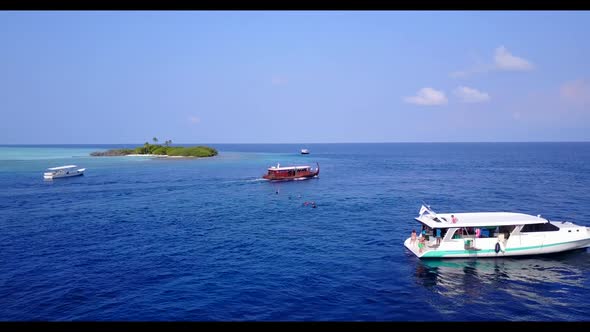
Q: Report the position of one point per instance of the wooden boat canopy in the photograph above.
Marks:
(289, 168)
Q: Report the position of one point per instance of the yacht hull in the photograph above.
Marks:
(487, 248)
(50, 176)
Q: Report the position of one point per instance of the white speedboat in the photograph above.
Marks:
(304, 151)
(63, 172)
(493, 234)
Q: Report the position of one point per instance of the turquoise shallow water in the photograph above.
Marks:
(15, 153)
(138, 238)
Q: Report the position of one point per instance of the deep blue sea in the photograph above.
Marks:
(138, 238)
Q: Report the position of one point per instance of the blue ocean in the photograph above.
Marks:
(152, 239)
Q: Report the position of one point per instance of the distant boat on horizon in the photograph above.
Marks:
(304, 151)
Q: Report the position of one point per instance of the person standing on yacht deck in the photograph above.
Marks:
(422, 243)
(438, 237)
(413, 237)
(424, 233)
(454, 219)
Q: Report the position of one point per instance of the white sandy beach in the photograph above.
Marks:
(157, 156)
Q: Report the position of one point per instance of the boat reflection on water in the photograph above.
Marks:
(520, 277)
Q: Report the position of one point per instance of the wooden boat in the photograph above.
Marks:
(278, 173)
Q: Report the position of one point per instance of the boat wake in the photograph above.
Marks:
(255, 180)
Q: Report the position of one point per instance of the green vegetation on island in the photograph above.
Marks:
(161, 150)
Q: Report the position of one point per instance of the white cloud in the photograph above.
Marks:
(193, 119)
(470, 95)
(576, 92)
(504, 60)
(427, 96)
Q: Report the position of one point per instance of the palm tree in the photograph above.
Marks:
(155, 139)
(146, 147)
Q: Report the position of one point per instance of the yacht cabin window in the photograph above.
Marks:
(532, 228)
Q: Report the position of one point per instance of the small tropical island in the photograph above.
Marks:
(159, 150)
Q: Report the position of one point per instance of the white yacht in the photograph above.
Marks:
(304, 151)
(62, 172)
(493, 234)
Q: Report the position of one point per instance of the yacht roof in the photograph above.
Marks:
(479, 219)
(61, 167)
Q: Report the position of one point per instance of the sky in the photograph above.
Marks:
(86, 77)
